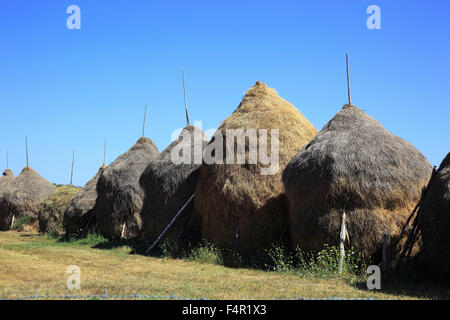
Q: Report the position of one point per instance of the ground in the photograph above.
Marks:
(32, 263)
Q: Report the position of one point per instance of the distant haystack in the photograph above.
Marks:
(168, 186)
(6, 183)
(6, 180)
(79, 218)
(24, 197)
(240, 207)
(357, 166)
(8, 174)
(120, 197)
(51, 212)
(434, 222)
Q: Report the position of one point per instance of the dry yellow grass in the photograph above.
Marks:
(32, 262)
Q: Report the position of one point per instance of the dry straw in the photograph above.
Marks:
(434, 222)
(357, 166)
(79, 218)
(168, 186)
(23, 197)
(120, 197)
(51, 211)
(235, 198)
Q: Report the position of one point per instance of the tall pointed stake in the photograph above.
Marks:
(7, 164)
(71, 172)
(185, 99)
(348, 81)
(143, 126)
(104, 155)
(26, 147)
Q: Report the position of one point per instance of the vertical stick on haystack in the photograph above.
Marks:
(185, 99)
(7, 164)
(348, 81)
(104, 155)
(143, 125)
(26, 147)
(342, 244)
(71, 172)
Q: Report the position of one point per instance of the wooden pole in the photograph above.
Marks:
(185, 99)
(26, 147)
(123, 230)
(386, 255)
(104, 155)
(71, 172)
(348, 81)
(7, 164)
(143, 126)
(342, 244)
(12, 222)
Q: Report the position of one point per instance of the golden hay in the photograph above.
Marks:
(233, 197)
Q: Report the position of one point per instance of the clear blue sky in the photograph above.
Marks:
(70, 88)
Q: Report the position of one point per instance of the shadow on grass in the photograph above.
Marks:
(414, 281)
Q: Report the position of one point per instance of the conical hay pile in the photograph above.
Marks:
(6, 180)
(238, 198)
(51, 211)
(120, 196)
(434, 222)
(79, 217)
(168, 185)
(357, 166)
(24, 197)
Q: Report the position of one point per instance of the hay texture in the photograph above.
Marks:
(238, 198)
(6, 181)
(434, 222)
(51, 212)
(357, 166)
(79, 217)
(24, 197)
(120, 197)
(168, 185)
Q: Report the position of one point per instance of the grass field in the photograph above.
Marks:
(31, 263)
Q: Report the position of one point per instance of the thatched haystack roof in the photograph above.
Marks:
(434, 222)
(51, 212)
(120, 197)
(233, 197)
(8, 173)
(168, 185)
(5, 180)
(79, 217)
(357, 166)
(24, 197)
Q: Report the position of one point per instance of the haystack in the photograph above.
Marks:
(357, 166)
(24, 197)
(6, 183)
(241, 207)
(168, 185)
(6, 180)
(120, 197)
(79, 217)
(51, 212)
(434, 222)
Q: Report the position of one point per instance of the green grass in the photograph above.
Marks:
(20, 222)
(31, 262)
